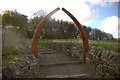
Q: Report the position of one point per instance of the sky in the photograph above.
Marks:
(101, 14)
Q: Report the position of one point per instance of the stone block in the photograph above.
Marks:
(107, 75)
(12, 68)
(6, 73)
(99, 52)
(105, 54)
(99, 68)
(117, 76)
(111, 71)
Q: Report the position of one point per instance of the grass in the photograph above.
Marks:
(13, 46)
(111, 45)
(8, 59)
(43, 42)
(10, 54)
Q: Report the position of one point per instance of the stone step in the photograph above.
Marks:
(70, 76)
(51, 59)
(46, 51)
(54, 64)
(70, 69)
(59, 64)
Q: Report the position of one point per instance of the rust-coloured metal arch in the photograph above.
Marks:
(82, 32)
(36, 36)
(34, 47)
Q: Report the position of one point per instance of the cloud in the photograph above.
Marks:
(102, 3)
(78, 8)
(110, 24)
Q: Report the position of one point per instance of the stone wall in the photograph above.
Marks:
(28, 67)
(71, 49)
(106, 63)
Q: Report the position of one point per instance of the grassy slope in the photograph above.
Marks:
(111, 45)
(10, 54)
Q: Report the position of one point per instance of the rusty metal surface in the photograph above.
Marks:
(82, 32)
(36, 36)
(34, 46)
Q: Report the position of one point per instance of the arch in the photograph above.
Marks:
(82, 32)
(36, 36)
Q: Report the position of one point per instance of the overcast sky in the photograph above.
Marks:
(101, 14)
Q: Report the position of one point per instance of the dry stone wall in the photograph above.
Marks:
(71, 49)
(106, 63)
(28, 67)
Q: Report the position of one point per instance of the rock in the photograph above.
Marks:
(105, 54)
(108, 76)
(118, 59)
(97, 60)
(68, 50)
(74, 48)
(22, 63)
(117, 76)
(99, 52)
(105, 68)
(22, 68)
(6, 73)
(31, 57)
(99, 68)
(111, 72)
(17, 72)
(12, 67)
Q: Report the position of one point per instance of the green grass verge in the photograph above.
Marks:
(111, 45)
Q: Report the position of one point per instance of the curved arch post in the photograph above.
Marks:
(82, 32)
(36, 36)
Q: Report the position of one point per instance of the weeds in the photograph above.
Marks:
(13, 45)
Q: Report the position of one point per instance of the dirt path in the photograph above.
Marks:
(54, 64)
